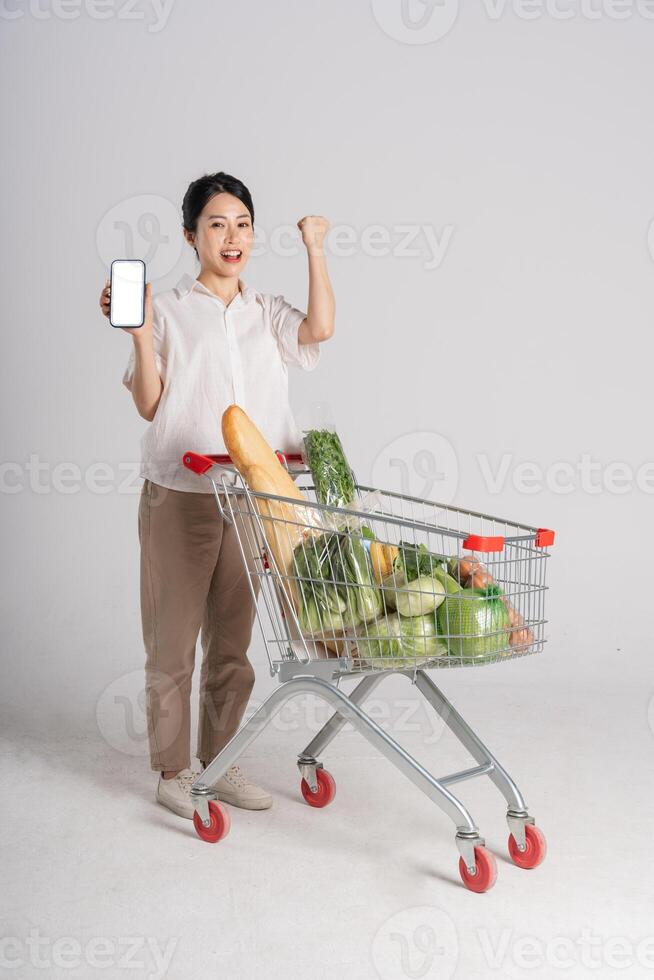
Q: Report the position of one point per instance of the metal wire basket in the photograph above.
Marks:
(336, 583)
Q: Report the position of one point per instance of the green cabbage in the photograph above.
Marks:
(399, 641)
(475, 622)
(416, 598)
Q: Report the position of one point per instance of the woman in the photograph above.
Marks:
(210, 342)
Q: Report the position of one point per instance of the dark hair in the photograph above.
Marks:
(204, 188)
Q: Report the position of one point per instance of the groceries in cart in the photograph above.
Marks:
(385, 604)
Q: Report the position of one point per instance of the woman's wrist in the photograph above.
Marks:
(143, 340)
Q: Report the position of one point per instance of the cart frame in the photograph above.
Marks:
(322, 677)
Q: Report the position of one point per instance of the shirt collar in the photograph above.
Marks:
(188, 283)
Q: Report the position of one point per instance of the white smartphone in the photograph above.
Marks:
(127, 305)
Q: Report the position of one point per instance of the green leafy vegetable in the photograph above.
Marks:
(321, 607)
(335, 583)
(331, 473)
(351, 565)
(415, 560)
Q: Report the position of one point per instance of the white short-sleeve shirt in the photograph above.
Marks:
(210, 356)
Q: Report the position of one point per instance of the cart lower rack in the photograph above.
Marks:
(393, 584)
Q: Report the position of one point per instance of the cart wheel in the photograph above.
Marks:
(486, 875)
(326, 789)
(219, 826)
(535, 851)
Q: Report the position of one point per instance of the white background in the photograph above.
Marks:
(531, 140)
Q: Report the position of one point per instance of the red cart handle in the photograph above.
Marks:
(199, 463)
(478, 542)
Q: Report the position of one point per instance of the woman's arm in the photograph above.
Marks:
(319, 322)
(146, 385)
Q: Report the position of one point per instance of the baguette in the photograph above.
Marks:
(284, 524)
(260, 468)
(248, 448)
(281, 522)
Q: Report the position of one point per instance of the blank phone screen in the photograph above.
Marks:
(127, 293)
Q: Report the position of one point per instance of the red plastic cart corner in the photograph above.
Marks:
(477, 542)
(197, 462)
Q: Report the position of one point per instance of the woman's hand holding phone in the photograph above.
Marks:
(144, 332)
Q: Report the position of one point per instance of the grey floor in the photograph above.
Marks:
(98, 880)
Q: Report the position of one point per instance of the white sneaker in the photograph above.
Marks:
(235, 788)
(176, 793)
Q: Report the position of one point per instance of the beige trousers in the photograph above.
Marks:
(192, 579)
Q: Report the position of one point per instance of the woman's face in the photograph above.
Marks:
(223, 236)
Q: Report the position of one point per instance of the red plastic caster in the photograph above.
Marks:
(486, 873)
(219, 826)
(535, 851)
(326, 789)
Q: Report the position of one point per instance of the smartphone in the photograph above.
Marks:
(127, 305)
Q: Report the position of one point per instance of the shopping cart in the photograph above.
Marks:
(323, 620)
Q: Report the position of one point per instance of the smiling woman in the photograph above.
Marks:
(219, 239)
(210, 342)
